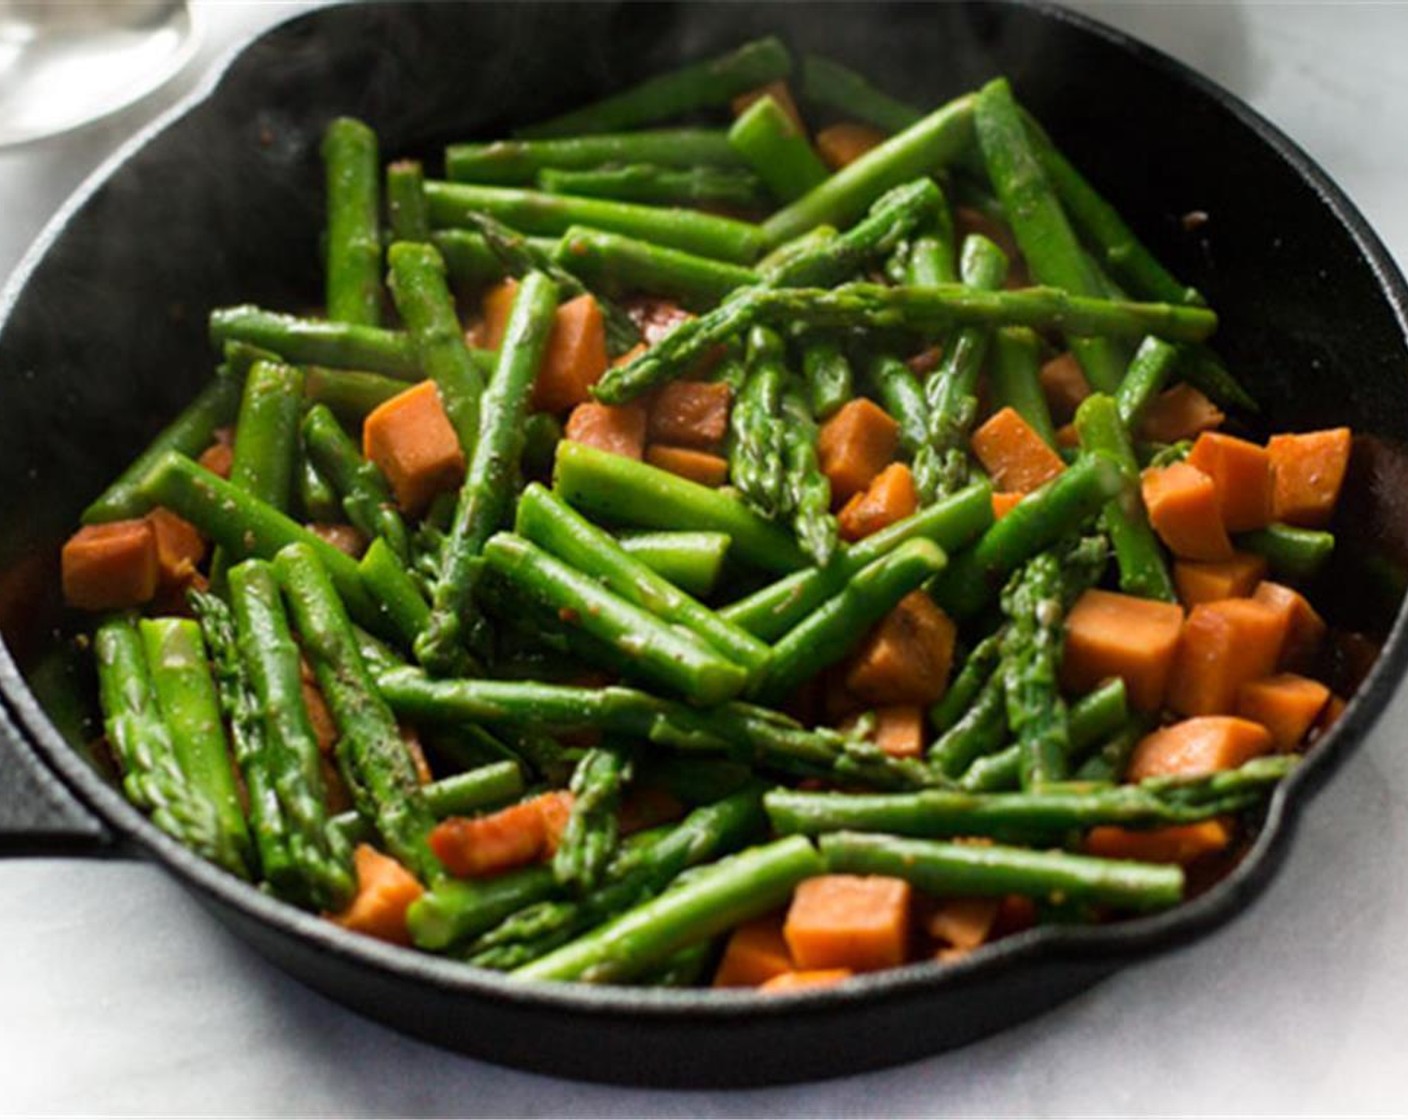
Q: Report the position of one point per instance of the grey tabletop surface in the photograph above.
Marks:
(118, 994)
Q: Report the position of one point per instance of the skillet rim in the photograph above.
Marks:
(1114, 944)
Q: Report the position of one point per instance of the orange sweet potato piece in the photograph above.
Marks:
(689, 413)
(859, 922)
(780, 92)
(477, 847)
(1179, 413)
(1206, 581)
(1305, 629)
(343, 537)
(807, 978)
(1064, 383)
(906, 658)
(1198, 746)
(1307, 473)
(855, 445)
(1013, 454)
(1287, 705)
(1113, 635)
(964, 923)
(755, 953)
(1183, 509)
(890, 497)
(218, 459)
(1241, 472)
(1002, 503)
(575, 356)
(385, 890)
(1329, 717)
(617, 428)
(1223, 646)
(846, 142)
(687, 462)
(495, 309)
(1179, 843)
(899, 729)
(110, 566)
(179, 548)
(1067, 437)
(410, 438)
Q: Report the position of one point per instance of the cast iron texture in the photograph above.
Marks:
(102, 339)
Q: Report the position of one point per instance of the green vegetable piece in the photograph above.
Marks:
(510, 162)
(779, 153)
(619, 265)
(692, 561)
(352, 165)
(405, 201)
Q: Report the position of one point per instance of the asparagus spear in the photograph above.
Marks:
(189, 434)
(755, 428)
(616, 489)
(455, 909)
(978, 732)
(1148, 370)
(828, 83)
(1033, 524)
(405, 201)
(395, 591)
(932, 257)
(657, 652)
(371, 752)
(537, 212)
(542, 432)
(941, 465)
(926, 310)
(993, 870)
(719, 897)
(469, 261)
(808, 490)
(900, 394)
(1294, 554)
(428, 309)
(267, 433)
(698, 85)
(1015, 381)
(351, 162)
(521, 161)
(619, 265)
(770, 142)
(484, 787)
(1038, 222)
(185, 693)
(1109, 763)
(317, 502)
(922, 149)
(484, 499)
(659, 185)
(969, 682)
(775, 609)
(1031, 656)
(366, 495)
(590, 837)
(1137, 550)
(827, 372)
(549, 522)
(832, 630)
(350, 394)
(692, 561)
(142, 741)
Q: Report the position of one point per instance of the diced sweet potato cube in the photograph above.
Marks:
(1013, 454)
(1065, 385)
(218, 458)
(575, 357)
(1241, 473)
(809, 978)
(555, 807)
(617, 428)
(846, 142)
(890, 497)
(687, 462)
(1287, 705)
(1307, 473)
(410, 439)
(1305, 629)
(110, 566)
(476, 847)
(1068, 437)
(179, 548)
(964, 923)
(1179, 843)
(859, 922)
(1113, 635)
(855, 445)
(1179, 413)
(689, 414)
(899, 729)
(1183, 509)
(385, 891)
(1198, 746)
(907, 657)
(755, 953)
(1334, 709)
(1223, 646)
(1206, 581)
(780, 92)
(343, 537)
(1002, 503)
(495, 309)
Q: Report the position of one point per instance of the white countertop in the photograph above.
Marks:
(119, 995)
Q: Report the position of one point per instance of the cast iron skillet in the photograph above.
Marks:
(102, 339)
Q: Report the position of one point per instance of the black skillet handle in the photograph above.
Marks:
(38, 815)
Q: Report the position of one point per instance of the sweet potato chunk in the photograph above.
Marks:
(617, 428)
(1307, 473)
(808, 978)
(1223, 646)
(410, 438)
(860, 922)
(907, 657)
(1198, 746)
(1184, 511)
(1179, 843)
(1013, 454)
(855, 445)
(890, 497)
(179, 548)
(1241, 474)
(1206, 581)
(963, 923)
(1287, 705)
(689, 414)
(110, 566)
(1179, 413)
(1305, 629)
(755, 953)
(1064, 383)
(899, 729)
(1002, 503)
(1113, 635)
(385, 891)
(476, 847)
(575, 356)
(697, 466)
(846, 142)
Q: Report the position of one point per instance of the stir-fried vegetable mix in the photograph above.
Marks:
(692, 552)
